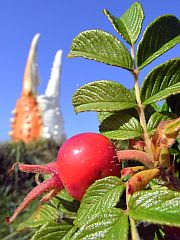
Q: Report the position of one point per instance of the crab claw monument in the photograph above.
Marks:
(38, 116)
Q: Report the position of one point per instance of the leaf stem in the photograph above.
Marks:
(136, 155)
(134, 233)
(141, 107)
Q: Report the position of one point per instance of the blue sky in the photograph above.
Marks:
(58, 22)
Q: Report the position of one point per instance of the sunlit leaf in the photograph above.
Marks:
(110, 224)
(51, 231)
(160, 36)
(102, 47)
(121, 126)
(103, 96)
(41, 216)
(129, 25)
(70, 233)
(102, 195)
(164, 107)
(157, 206)
(161, 82)
(172, 128)
(156, 118)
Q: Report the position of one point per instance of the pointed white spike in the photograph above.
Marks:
(53, 123)
(31, 75)
(53, 86)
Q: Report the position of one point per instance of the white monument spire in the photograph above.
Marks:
(53, 124)
(52, 89)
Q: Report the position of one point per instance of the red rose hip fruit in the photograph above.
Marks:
(83, 159)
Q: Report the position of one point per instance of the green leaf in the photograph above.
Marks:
(66, 204)
(103, 115)
(103, 96)
(51, 231)
(157, 206)
(129, 25)
(164, 107)
(102, 47)
(155, 119)
(111, 224)
(62, 195)
(70, 233)
(120, 229)
(102, 195)
(161, 82)
(160, 36)
(121, 126)
(41, 216)
(172, 128)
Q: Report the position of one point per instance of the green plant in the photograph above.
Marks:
(146, 197)
(15, 185)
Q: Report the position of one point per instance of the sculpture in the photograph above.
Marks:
(38, 116)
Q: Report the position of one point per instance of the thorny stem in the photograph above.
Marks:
(140, 107)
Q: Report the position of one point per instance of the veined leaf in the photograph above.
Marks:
(161, 82)
(70, 233)
(172, 128)
(121, 126)
(103, 115)
(66, 204)
(111, 224)
(164, 107)
(103, 96)
(61, 195)
(102, 195)
(157, 206)
(41, 216)
(51, 231)
(102, 47)
(155, 119)
(160, 36)
(129, 25)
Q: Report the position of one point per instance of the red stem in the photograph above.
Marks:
(136, 155)
(46, 186)
(43, 169)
